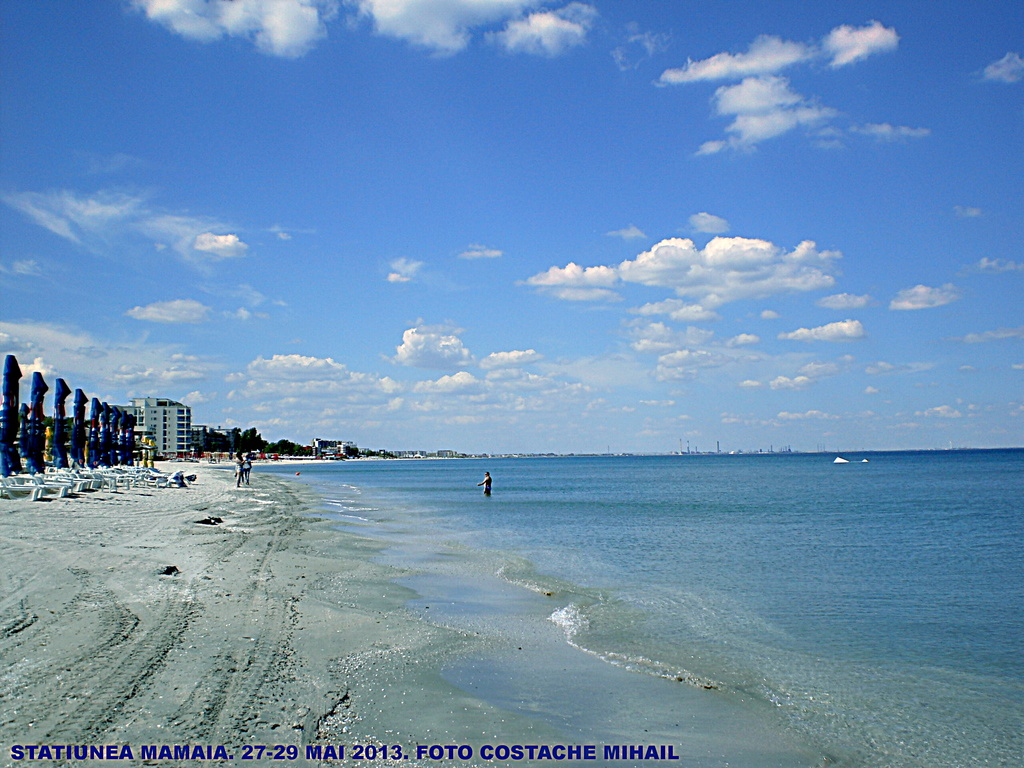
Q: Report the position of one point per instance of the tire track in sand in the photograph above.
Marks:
(243, 687)
(113, 665)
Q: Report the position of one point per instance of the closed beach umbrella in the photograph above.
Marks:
(24, 438)
(95, 411)
(122, 439)
(78, 429)
(129, 439)
(10, 420)
(103, 456)
(114, 454)
(60, 451)
(36, 427)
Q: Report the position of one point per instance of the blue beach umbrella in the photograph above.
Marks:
(122, 439)
(34, 462)
(24, 437)
(128, 421)
(103, 454)
(78, 429)
(95, 411)
(10, 463)
(60, 451)
(114, 454)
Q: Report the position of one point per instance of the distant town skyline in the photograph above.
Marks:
(524, 227)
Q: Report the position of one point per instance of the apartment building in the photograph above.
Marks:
(166, 422)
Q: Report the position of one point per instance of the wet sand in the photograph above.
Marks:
(124, 620)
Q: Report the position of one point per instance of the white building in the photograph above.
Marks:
(166, 422)
(334, 449)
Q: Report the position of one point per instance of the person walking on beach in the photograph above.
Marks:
(246, 469)
(486, 483)
(239, 470)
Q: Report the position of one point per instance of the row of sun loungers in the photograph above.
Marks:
(58, 483)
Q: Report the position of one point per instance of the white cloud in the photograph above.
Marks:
(766, 54)
(986, 264)
(302, 383)
(924, 297)
(476, 251)
(575, 283)
(83, 360)
(769, 314)
(819, 370)
(708, 223)
(109, 223)
(942, 412)
(763, 108)
(443, 26)
(220, 246)
(883, 367)
(884, 132)
(769, 54)
(844, 301)
(198, 398)
(548, 33)
(729, 268)
(679, 311)
(296, 367)
(684, 363)
(997, 335)
(461, 382)
(967, 211)
(812, 414)
(726, 269)
(287, 28)
(639, 47)
(743, 340)
(403, 270)
(437, 347)
(75, 217)
(511, 359)
(660, 338)
(784, 382)
(1009, 69)
(632, 232)
(846, 44)
(177, 311)
(844, 330)
(22, 268)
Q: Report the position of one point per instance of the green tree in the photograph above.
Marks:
(288, 448)
(251, 440)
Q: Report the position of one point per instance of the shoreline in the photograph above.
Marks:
(524, 658)
(124, 620)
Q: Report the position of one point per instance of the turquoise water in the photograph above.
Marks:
(863, 614)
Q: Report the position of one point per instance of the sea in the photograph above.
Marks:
(749, 610)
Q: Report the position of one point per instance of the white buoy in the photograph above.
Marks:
(841, 460)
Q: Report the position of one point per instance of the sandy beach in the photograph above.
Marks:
(127, 619)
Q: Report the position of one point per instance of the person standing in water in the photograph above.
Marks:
(486, 483)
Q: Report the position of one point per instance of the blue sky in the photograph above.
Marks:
(500, 225)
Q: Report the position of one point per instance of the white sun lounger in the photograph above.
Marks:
(19, 491)
(58, 489)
